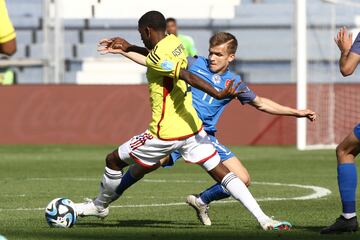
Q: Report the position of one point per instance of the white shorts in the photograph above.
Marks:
(147, 150)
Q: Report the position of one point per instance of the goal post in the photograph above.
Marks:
(320, 86)
(301, 68)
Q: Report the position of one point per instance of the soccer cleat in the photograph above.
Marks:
(342, 225)
(272, 224)
(201, 210)
(88, 208)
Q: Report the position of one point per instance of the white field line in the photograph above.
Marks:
(98, 179)
(318, 192)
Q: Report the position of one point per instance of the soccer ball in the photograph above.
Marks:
(60, 212)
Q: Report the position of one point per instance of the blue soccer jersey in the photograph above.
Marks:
(355, 48)
(208, 108)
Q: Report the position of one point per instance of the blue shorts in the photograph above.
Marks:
(223, 151)
(357, 131)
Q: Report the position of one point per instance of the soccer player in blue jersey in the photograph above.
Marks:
(349, 148)
(215, 70)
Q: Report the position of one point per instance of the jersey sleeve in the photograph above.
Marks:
(245, 94)
(355, 48)
(7, 31)
(190, 61)
(164, 65)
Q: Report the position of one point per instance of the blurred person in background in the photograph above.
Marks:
(187, 41)
(7, 76)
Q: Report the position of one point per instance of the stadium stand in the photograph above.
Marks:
(264, 31)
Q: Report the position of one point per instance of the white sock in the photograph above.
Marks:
(110, 181)
(240, 192)
(348, 215)
(200, 201)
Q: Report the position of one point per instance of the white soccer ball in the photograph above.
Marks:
(60, 212)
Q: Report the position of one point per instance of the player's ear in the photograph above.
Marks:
(148, 32)
(231, 57)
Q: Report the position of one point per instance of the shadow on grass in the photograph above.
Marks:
(148, 231)
(143, 223)
(312, 229)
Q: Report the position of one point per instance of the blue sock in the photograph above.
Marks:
(347, 180)
(215, 192)
(126, 181)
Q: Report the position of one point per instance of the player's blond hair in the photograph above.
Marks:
(224, 37)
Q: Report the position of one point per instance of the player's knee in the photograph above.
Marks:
(340, 152)
(247, 181)
(114, 162)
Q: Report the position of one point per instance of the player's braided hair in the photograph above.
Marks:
(224, 37)
(153, 19)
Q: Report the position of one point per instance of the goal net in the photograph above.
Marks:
(335, 98)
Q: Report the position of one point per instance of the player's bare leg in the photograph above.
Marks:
(235, 166)
(200, 202)
(240, 192)
(346, 152)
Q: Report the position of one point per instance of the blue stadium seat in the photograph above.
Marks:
(74, 23)
(37, 51)
(20, 51)
(30, 75)
(24, 36)
(260, 44)
(17, 8)
(112, 23)
(94, 36)
(26, 22)
(70, 36)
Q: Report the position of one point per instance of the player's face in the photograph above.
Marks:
(219, 58)
(145, 36)
(171, 27)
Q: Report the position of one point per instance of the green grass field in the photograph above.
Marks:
(31, 176)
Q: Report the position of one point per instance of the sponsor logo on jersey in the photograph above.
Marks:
(167, 65)
(177, 51)
(227, 82)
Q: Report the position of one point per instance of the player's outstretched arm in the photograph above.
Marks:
(121, 43)
(269, 106)
(197, 82)
(104, 47)
(348, 60)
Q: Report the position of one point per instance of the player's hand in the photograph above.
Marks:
(115, 45)
(309, 114)
(104, 47)
(229, 91)
(344, 40)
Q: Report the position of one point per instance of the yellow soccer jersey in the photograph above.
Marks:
(173, 116)
(7, 31)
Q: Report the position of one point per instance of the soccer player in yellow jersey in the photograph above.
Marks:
(7, 32)
(174, 126)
